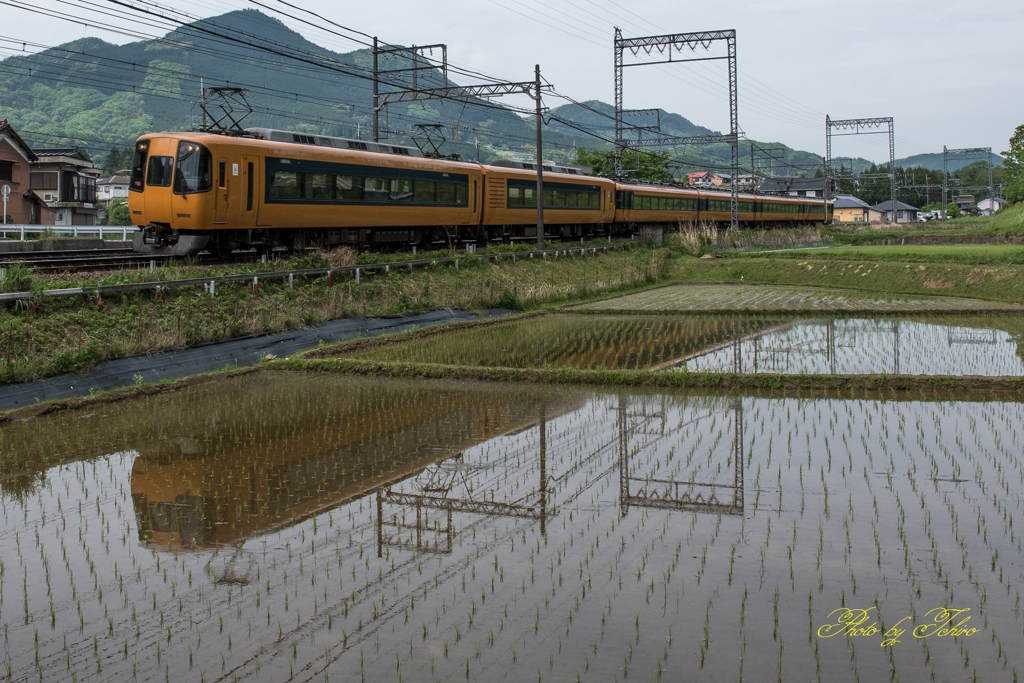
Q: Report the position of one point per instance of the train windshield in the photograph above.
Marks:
(159, 173)
(194, 170)
(139, 165)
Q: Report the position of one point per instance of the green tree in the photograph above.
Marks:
(117, 212)
(1013, 167)
(651, 166)
(117, 159)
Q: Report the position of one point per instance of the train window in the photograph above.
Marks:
(222, 174)
(284, 185)
(139, 165)
(321, 186)
(159, 173)
(348, 188)
(194, 170)
(376, 189)
(445, 193)
(424, 190)
(161, 517)
(522, 194)
(460, 193)
(516, 196)
(401, 190)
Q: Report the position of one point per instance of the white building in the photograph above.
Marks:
(109, 188)
(987, 207)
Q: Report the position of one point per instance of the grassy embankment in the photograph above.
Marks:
(66, 335)
(985, 271)
(1006, 225)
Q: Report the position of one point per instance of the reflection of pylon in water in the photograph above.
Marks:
(666, 493)
(436, 485)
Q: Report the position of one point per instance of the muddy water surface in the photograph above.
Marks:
(280, 525)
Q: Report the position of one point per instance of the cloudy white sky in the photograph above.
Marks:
(949, 72)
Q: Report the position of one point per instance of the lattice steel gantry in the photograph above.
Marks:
(464, 94)
(664, 45)
(855, 126)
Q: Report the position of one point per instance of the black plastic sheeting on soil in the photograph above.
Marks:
(217, 355)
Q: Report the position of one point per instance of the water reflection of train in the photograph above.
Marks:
(236, 481)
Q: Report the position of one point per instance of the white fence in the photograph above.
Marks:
(67, 230)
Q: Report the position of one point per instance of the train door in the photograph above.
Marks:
(222, 192)
(249, 201)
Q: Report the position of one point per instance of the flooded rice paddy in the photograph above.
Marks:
(281, 526)
(862, 346)
(938, 345)
(742, 297)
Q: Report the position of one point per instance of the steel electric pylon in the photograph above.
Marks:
(664, 45)
(860, 127)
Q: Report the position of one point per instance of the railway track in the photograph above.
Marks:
(100, 259)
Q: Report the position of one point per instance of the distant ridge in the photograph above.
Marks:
(96, 95)
(933, 162)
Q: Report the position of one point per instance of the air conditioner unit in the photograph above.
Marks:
(48, 197)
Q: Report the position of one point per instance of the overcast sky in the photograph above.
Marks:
(949, 72)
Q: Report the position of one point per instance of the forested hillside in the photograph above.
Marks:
(97, 95)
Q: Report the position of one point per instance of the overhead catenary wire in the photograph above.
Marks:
(317, 62)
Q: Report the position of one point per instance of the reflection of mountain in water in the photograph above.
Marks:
(303, 451)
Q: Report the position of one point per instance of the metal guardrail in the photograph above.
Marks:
(73, 230)
(210, 283)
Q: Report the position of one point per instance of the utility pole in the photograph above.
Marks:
(540, 161)
(945, 181)
(376, 94)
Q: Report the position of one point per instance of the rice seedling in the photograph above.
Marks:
(288, 525)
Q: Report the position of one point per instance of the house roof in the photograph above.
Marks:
(900, 206)
(31, 196)
(8, 130)
(114, 180)
(698, 174)
(63, 152)
(791, 184)
(848, 201)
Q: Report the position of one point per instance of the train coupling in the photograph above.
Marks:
(162, 240)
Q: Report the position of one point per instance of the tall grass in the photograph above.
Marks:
(697, 239)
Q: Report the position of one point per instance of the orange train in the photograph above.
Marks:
(270, 188)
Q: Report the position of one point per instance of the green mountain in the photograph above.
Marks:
(96, 95)
(933, 162)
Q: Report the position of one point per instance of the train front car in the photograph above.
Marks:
(171, 194)
(575, 204)
(277, 189)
